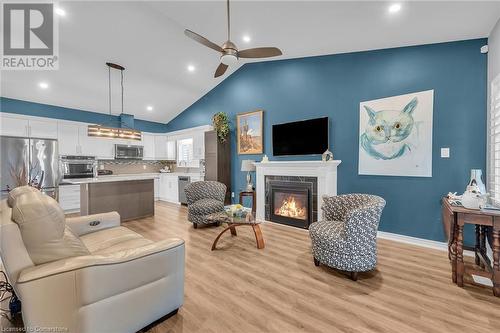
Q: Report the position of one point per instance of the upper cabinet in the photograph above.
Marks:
(171, 148)
(148, 141)
(19, 126)
(160, 147)
(199, 145)
(68, 139)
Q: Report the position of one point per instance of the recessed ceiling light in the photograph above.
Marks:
(394, 8)
(149, 108)
(247, 39)
(60, 11)
(191, 68)
(43, 85)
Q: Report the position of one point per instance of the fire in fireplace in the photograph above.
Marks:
(291, 205)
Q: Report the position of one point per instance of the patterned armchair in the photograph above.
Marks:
(346, 238)
(204, 198)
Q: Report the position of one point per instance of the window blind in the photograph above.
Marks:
(494, 142)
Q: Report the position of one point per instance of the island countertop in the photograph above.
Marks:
(112, 178)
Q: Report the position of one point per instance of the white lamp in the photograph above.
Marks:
(248, 166)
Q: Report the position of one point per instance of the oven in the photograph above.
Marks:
(78, 167)
(130, 152)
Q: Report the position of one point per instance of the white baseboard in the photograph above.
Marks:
(430, 244)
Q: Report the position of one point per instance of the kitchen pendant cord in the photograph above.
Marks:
(109, 89)
(121, 71)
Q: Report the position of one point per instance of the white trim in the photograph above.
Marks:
(430, 244)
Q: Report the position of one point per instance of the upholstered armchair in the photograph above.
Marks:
(346, 238)
(204, 198)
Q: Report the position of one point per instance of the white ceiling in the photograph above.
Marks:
(147, 38)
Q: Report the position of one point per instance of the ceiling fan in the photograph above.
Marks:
(229, 52)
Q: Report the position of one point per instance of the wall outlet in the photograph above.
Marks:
(232, 194)
(101, 166)
(144, 166)
(445, 152)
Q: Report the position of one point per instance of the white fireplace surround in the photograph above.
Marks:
(325, 172)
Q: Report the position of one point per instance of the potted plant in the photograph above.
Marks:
(220, 121)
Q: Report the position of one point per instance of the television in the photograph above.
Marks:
(306, 137)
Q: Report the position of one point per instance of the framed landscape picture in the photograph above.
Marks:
(250, 132)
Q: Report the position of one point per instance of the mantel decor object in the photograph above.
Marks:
(327, 156)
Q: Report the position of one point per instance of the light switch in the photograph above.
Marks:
(445, 152)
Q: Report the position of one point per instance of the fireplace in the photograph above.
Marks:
(290, 202)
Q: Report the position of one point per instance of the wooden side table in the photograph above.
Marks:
(249, 194)
(454, 219)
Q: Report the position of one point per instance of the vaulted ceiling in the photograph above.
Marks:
(147, 38)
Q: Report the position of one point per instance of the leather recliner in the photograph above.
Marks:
(89, 274)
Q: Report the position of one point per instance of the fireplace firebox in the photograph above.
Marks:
(291, 202)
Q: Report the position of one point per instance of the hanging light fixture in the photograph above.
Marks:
(114, 132)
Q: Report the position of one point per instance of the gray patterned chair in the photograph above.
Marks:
(204, 198)
(346, 238)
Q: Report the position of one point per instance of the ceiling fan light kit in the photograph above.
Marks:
(229, 52)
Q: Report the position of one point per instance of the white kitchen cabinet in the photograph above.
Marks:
(148, 141)
(160, 147)
(69, 198)
(102, 148)
(171, 148)
(45, 129)
(67, 135)
(169, 188)
(14, 126)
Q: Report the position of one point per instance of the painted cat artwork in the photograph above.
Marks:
(396, 135)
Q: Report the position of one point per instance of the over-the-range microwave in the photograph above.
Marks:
(129, 152)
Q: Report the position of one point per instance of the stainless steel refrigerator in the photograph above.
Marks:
(28, 160)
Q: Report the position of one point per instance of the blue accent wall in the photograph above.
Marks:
(334, 85)
(44, 110)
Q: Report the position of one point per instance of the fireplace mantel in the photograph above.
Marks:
(325, 172)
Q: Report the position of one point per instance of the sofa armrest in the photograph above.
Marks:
(82, 225)
(83, 284)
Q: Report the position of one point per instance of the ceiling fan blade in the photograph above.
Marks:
(260, 52)
(220, 70)
(202, 40)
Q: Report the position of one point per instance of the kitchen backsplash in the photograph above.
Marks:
(122, 167)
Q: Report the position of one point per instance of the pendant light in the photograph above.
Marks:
(114, 132)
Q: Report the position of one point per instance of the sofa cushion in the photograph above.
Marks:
(206, 206)
(113, 240)
(43, 229)
(18, 191)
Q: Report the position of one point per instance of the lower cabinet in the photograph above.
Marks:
(169, 188)
(69, 198)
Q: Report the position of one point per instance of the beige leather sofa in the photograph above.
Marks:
(105, 277)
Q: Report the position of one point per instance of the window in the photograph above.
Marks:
(184, 151)
(494, 142)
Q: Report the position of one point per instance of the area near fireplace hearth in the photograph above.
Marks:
(289, 192)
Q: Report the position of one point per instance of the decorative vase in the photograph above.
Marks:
(475, 180)
(327, 156)
(475, 192)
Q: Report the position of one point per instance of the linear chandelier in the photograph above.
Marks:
(114, 132)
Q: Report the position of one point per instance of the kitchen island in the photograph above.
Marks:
(131, 196)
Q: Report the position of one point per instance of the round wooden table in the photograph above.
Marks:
(234, 222)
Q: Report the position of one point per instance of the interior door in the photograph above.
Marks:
(14, 162)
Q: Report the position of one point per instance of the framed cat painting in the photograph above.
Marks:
(395, 135)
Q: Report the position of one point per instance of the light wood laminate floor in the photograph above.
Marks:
(239, 288)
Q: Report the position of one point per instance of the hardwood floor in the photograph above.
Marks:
(238, 288)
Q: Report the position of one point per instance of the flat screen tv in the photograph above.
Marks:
(306, 137)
